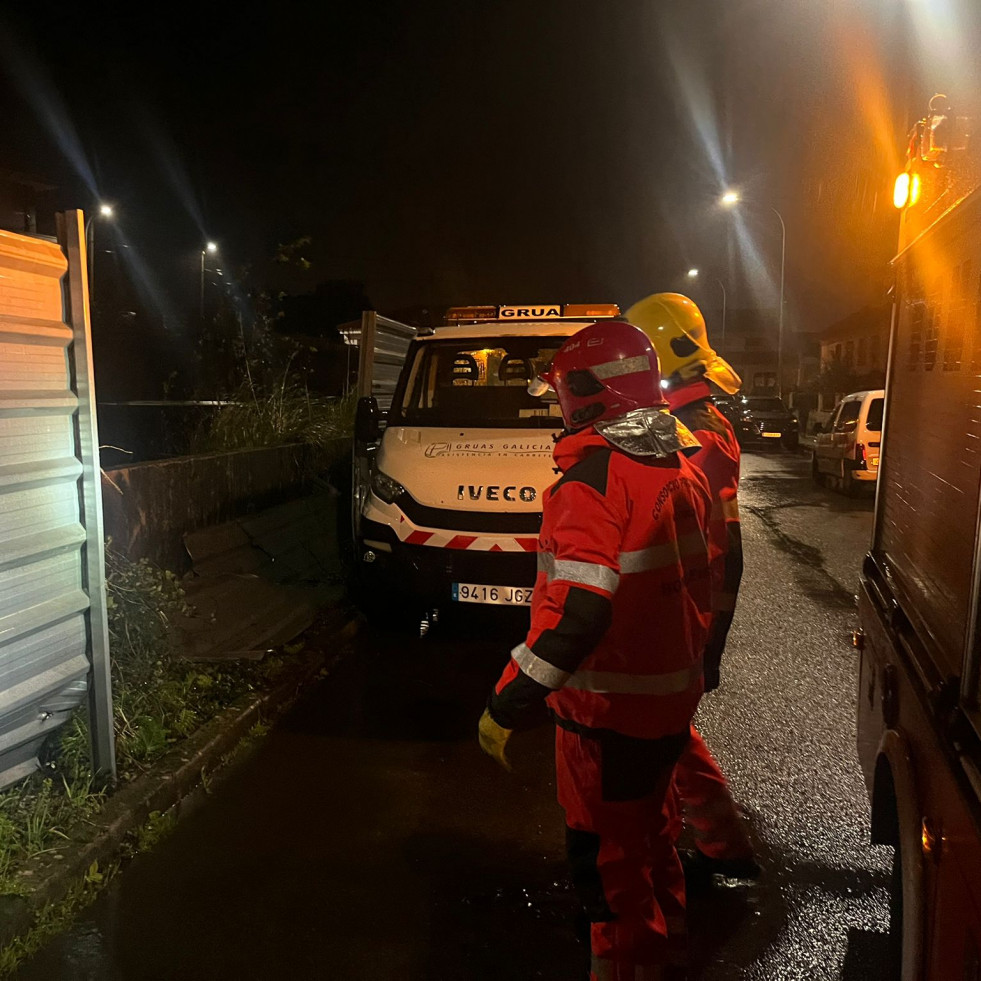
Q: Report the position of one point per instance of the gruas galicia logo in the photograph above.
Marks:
(495, 492)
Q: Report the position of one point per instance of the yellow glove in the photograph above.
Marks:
(494, 739)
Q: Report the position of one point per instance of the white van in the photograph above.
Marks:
(452, 510)
(846, 450)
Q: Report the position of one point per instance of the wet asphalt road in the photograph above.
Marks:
(367, 838)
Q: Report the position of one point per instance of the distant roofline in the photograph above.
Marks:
(28, 180)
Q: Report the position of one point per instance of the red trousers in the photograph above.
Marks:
(703, 794)
(624, 863)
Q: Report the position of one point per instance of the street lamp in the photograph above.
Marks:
(210, 249)
(105, 211)
(729, 200)
(693, 274)
(722, 286)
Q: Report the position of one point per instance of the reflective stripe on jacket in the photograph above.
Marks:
(622, 602)
(718, 459)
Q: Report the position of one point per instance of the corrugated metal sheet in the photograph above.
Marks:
(380, 363)
(928, 484)
(51, 632)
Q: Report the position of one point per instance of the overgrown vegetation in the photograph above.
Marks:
(158, 699)
(282, 412)
(272, 388)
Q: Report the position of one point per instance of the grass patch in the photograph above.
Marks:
(52, 920)
(158, 700)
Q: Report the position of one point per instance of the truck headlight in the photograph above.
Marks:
(385, 487)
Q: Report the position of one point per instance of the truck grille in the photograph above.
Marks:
(489, 522)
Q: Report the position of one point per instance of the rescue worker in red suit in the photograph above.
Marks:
(688, 364)
(619, 619)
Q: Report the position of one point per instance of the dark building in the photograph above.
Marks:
(750, 343)
(859, 344)
(22, 198)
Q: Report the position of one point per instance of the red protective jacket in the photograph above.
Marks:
(622, 603)
(718, 459)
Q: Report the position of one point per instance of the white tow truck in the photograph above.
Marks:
(449, 504)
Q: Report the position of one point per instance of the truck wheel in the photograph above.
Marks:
(847, 481)
(816, 474)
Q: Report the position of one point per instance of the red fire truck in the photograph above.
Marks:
(919, 721)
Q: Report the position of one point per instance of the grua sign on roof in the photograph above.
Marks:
(536, 312)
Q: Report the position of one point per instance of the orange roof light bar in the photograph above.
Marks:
(471, 313)
(591, 311)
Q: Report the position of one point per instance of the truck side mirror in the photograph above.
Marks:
(367, 420)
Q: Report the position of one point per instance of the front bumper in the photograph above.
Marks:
(425, 574)
(421, 562)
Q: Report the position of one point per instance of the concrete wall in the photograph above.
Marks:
(149, 506)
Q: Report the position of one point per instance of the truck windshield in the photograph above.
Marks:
(477, 383)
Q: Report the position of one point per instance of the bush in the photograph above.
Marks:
(286, 414)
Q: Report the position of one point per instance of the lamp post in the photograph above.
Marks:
(729, 200)
(722, 286)
(693, 274)
(210, 249)
(105, 211)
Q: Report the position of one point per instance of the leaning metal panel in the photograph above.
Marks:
(52, 611)
(382, 347)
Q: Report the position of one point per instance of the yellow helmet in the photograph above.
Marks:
(676, 328)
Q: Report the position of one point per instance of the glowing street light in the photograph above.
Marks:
(693, 275)
(210, 248)
(106, 211)
(730, 199)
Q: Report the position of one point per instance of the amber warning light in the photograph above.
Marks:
(906, 190)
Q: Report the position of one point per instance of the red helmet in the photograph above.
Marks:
(605, 370)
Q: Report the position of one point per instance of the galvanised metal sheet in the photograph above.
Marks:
(49, 626)
(383, 345)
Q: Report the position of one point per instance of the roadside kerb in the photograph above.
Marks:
(100, 839)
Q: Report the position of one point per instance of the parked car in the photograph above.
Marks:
(760, 419)
(846, 449)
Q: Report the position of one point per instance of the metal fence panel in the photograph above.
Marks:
(382, 346)
(53, 636)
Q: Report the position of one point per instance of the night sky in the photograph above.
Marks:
(523, 150)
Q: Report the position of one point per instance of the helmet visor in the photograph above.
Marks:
(720, 372)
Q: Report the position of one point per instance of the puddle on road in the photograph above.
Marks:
(810, 572)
